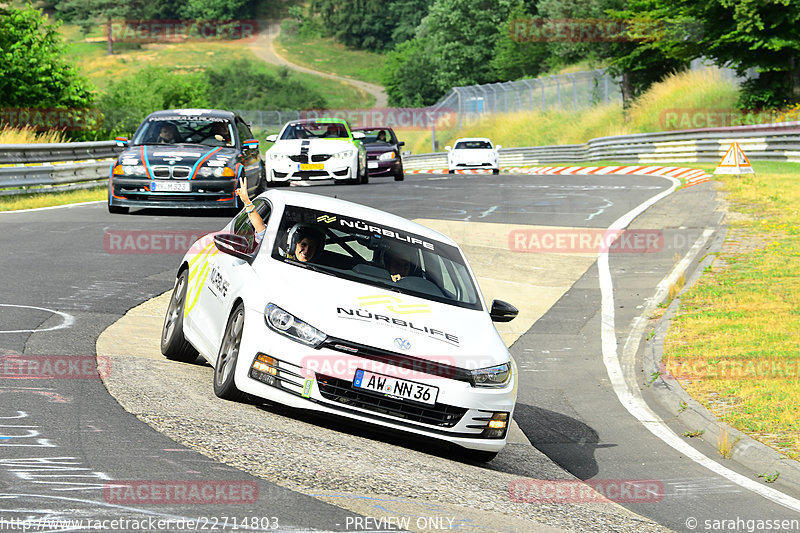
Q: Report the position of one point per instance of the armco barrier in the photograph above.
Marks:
(30, 165)
(764, 142)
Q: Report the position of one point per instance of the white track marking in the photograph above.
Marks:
(631, 398)
(66, 319)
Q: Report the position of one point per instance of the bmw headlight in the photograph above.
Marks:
(347, 154)
(206, 172)
(133, 170)
(386, 156)
(289, 325)
(493, 376)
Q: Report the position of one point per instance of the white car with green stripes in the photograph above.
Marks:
(350, 311)
(316, 149)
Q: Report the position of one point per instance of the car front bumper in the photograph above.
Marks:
(384, 168)
(126, 191)
(328, 170)
(459, 416)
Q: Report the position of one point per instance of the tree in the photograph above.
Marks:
(515, 56)
(33, 71)
(744, 34)
(365, 24)
(87, 13)
(407, 75)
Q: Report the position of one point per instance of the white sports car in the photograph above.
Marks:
(379, 320)
(316, 149)
(472, 153)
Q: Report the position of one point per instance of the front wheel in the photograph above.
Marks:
(399, 176)
(174, 345)
(495, 171)
(224, 370)
(451, 171)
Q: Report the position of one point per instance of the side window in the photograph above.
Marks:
(243, 226)
(244, 131)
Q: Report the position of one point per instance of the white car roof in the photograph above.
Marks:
(473, 139)
(280, 198)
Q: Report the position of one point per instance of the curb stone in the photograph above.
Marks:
(754, 455)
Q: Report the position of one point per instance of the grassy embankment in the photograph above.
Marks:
(326, 55)
(89, 54)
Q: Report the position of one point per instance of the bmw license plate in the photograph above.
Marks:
(171, 186)
(312, 166)
(398, 388)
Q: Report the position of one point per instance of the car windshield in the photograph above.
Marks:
(377, 255)
(473, 145)
(209, 131)
(314, 130)
(374, 136)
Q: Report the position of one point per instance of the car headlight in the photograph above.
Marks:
(289, 325)
(347, 154)
(278, 157)
(493, 376)
(133, 170)
(386, 156)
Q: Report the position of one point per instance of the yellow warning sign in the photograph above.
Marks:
(734, 162)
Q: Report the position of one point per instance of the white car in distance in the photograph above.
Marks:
(473, 153)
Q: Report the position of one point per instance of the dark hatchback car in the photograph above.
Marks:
(185, 158)
(383, 152)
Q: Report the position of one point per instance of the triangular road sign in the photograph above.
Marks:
(734, 162)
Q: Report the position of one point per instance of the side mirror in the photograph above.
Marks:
(447, 148)
(502, 311)
(497, 147)
(235, 245)
(272, 138)
(250, 144)
(358, 135)
(401, 143)
(122, 141)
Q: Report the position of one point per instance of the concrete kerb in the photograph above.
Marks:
(755, 455)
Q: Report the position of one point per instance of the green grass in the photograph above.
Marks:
(738, 329)
(31, 201)
(326, 55)
(92, 61)
(690, 93)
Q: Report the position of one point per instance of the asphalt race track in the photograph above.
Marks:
(68, 280)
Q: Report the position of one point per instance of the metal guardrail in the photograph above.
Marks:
(763, 142)
(75, 163)
(87, 162)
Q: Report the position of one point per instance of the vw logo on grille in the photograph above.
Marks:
(403, 344)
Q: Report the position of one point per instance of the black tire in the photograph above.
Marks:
(495, 171)
(262, 183)
(174, 345)
(451, 171)
(399, 176)
(365, 176)
(228, 356)
(117, 209)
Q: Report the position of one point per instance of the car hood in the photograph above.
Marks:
(472, 152)
(177, 154)
(388, 320)
(380, 148)
(314, 146)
